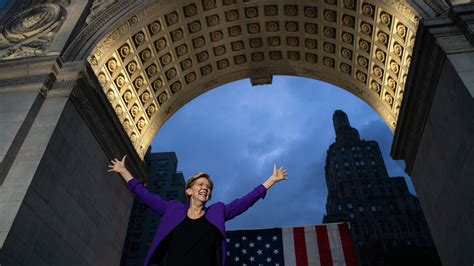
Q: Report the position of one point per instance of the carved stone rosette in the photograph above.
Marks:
(30, 32)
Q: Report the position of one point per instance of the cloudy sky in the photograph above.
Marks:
(236, 132)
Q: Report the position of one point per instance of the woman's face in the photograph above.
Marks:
(200, 190)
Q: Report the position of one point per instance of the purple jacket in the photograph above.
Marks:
(173, 212)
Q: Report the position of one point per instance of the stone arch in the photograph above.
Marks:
(164, 54)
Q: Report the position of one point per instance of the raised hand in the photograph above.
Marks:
(117, 165)
(278, 175)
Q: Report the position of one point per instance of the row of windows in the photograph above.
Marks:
(356, 148)
(373, 208)
(357, 163)
(383, 227)
(378, 209)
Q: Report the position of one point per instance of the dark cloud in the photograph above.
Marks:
(236, 132)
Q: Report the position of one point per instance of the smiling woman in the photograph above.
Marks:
(191, 233)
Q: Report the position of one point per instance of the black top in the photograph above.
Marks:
(192, 242)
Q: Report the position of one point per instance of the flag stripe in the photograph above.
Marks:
(337, 253)
(288, 246)
(349, 254)
(300, 247)
(323, 245)
(311, 246)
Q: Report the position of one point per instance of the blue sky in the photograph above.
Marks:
(236, 132)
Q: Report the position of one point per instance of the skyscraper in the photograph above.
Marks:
(165, 181)
(386, 219)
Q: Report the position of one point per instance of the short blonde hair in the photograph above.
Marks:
(193, 179)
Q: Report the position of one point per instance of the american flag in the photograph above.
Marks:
(325, 244)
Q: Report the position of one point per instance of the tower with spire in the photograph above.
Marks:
(387, 222)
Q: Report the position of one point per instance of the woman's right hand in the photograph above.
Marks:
(117, 165)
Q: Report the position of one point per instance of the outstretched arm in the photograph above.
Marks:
(153, 201)
(240, 205)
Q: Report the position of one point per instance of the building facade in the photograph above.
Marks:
(387, 222)
(165, 181)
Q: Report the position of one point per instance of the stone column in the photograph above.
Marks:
(58, 204)
(436, 127)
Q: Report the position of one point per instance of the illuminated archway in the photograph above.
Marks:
(165, 55)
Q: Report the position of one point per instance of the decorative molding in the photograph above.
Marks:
(30, 31)
(453, 42)
(97, 25)
(439, 7)
(408, 12)
(16, 82)
(98, 6)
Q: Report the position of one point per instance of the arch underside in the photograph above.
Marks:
(170, 52)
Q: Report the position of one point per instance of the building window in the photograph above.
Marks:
(373, 208)
(339, 207)
(351, 215)
(361, 209)
(353, 148)
(349, 205)
(162, 163)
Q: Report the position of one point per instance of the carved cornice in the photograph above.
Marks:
(462, 16)
(16, 82)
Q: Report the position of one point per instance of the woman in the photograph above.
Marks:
(191, 233)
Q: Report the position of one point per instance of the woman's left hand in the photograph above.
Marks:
(278, 175)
